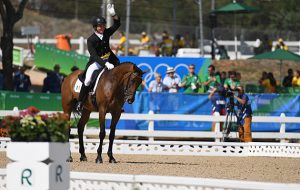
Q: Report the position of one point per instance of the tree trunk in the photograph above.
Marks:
(9, 17)
(7, 55)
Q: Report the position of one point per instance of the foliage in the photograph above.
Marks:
(30, 126)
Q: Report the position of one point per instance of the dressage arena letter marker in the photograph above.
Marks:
(59, 171)
(26, 174)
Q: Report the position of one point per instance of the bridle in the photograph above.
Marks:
(130, 81)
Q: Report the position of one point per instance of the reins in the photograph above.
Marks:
(129, 80)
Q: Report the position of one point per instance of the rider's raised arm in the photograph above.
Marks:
(93, 52)
(116, 18)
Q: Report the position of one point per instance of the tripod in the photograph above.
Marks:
(230, 112)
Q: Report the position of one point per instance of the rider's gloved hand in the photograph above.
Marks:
(109, 66)
(111, 9)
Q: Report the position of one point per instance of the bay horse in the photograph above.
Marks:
(114, 88)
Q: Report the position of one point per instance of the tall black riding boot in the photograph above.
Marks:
(82, 95)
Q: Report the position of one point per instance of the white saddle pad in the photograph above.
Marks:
(78, 84)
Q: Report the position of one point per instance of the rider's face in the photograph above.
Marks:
(100, 28)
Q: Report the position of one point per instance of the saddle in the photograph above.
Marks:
(92, 88)
(94, 77)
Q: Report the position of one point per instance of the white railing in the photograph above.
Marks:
(282, 135)
(81, 43)
(105, 181)
(184, 148)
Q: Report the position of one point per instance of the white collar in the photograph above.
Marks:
(99, 35)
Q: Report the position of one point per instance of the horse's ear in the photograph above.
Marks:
(146, 71)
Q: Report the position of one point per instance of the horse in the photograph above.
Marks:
(115, 87)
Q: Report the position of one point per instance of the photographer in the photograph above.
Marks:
(244, 115)
(218, 99)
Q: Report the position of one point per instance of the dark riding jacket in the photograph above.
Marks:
(99, 50)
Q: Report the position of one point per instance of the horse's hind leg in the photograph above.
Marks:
(80, 128)
(101, 136)
(114, 121)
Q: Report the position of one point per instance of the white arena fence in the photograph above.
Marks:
(81, 43)
(151, 134)
(105, 181)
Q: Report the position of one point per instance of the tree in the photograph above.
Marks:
(9, 16)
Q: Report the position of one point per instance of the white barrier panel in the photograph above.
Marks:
(101, 181)
(186, 148)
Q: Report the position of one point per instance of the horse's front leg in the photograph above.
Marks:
(114, 121)
(101, 137)
(70, 159)
(80, 129)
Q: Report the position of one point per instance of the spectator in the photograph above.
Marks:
(156, 85)
(141, 87)
(232, 82)
(218, 101)
(177, 43)
(172, 81)
(264, 76)
(74, 68)
(296, 79)
(145, 41)
(190, 81)
(120, 50)
(281, 45)
(223, 53)
(211, 80)
(166, 44)
(238, 77)
(287, 81)
(269, 84)
(52, 83)
(266, 44)
(257, 46)
(22, 81)
(223, 77)
(244, 115)
(1, 80)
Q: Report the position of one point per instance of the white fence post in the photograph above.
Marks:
(282, 130)
(81, 45)
(151, 125)
(217, 127)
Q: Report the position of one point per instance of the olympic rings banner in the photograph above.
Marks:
(160, 64)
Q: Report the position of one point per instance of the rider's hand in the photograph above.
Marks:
(111, 9)
(109, 66)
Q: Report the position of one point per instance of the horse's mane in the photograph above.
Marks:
(128, 64)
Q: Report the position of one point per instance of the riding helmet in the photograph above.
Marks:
(98, 20)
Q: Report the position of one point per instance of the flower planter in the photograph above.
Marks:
(38, 165)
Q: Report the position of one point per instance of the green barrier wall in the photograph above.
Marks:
(43, 101)
(46, 56)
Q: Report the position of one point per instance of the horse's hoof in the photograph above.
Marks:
(99, 160)
(112, 160)
(70, 159)
(83, 159)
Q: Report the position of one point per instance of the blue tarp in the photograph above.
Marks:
(199, 104)
(160, 65)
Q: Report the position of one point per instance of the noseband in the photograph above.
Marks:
(130, 80)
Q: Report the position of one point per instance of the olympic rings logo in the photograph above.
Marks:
(150, 74)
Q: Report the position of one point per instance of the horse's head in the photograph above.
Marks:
(132, 83)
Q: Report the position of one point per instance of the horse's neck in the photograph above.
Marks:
(121, 74)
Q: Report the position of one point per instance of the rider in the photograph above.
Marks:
(100, 52)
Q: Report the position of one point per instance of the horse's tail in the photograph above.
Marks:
(67, 93)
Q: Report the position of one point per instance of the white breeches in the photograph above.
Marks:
(89, 72)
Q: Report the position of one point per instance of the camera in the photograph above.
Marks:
(229, 93)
